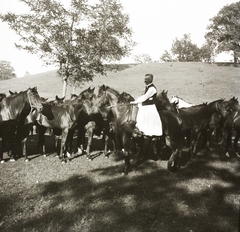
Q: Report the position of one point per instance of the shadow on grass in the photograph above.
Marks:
(200, 197)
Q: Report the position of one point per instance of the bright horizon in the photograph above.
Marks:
(155, 25)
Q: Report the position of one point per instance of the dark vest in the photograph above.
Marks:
(151, 100)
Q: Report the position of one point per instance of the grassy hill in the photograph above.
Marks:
(203, 195)
(195, 82)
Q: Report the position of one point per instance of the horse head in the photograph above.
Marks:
(58, 100)
(125, 98)
(2, 96)
(34, 99)
(12, 93)
(220, 107)
(163, 103)
(232, 104)
(73, 96)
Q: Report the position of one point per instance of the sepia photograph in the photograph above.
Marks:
(119, 116)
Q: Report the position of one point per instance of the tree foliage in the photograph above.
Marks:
(224, 30)
(207, 52)
(185, 50)
(80, 37)
(167, 56)
(6, 70)
(143, 58)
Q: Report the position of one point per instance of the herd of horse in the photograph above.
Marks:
(109, 113)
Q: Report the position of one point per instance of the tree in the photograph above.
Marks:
(167, 56)
(185, 50)
(143, 58)
(207, 52)
(6, 70)
(224, 30)
(80, 38)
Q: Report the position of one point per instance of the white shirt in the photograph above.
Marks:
(151, 91)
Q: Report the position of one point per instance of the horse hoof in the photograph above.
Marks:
(227, 155)
(26, 160)
(2, 161)
(79, 152)
(237, 155)
(68, 155)
(64, 161)
(12, 160)
(44, 155)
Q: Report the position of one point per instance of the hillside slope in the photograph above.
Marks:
(195, 82)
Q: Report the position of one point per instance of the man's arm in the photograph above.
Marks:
(151, 91)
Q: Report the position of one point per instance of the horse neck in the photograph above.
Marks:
(163, 103)
(210, 109)
(81, 105)
(119, 110)
(14, 105)
(232, 104)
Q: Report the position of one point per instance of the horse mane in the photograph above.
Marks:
(14, 99)
(106, 87)
(125, 98)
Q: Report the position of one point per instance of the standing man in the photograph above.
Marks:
(148, 119)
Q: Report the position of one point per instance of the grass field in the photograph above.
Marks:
(46, 195)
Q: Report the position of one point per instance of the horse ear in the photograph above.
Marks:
(57, 98)
(34, 88)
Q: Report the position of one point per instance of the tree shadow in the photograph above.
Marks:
(201, 196)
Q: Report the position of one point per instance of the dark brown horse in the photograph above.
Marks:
(124, 127)
(163, 102)
(196, 118)
(62, 117)
(2, 95)
(217, 122)
(231, 124)
(42, 130)
(11, 109)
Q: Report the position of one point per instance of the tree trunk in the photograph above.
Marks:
(235, 58)
(64, 93)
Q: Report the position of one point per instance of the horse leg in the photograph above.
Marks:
(106, 138)
(195, 141)
(155, 145)
(125, 150)
(80, 141)
(206, 137)
(173, 162)
(236, 142)
(41, 140)
(62, 154)
(140, 145)
(56, 142)
(69, 142)
(2, 149)
(228, 142)
(22, 135)
(90, 137)
(24, 149)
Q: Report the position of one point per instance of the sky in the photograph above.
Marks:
(155, 24)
